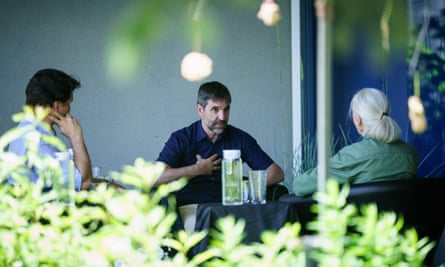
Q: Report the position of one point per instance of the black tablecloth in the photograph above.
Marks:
(270, 216)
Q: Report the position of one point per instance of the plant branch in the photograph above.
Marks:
(420, 39)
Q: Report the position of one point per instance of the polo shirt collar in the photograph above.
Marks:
(201, 134)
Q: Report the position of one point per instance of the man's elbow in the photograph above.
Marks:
(163, 177)
(277, 174)
(279, 177)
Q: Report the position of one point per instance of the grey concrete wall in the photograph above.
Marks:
(123, 121)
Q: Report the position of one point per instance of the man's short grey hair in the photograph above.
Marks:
(213, 91)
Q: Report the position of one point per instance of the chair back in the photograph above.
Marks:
(274, 192)
(439, 255)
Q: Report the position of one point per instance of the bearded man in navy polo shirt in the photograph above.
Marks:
(195, 152)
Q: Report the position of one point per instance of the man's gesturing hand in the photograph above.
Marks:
(208, 165)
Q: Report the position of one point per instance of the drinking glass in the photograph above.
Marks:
(257, 183)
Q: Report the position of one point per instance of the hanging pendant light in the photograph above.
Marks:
(196, 66)
(269, 13)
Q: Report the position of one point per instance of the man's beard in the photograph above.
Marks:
(218, 130)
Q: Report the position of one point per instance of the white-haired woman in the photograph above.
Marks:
(380, 155)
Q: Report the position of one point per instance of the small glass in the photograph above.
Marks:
(257, 183)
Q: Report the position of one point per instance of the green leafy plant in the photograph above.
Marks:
(278, 248)
(104, 226)
(351, 236)
(109, 226)
(143, 23)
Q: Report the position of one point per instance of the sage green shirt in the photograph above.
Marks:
(364, 161)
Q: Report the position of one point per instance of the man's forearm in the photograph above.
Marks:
(172, 174)
(82, 161)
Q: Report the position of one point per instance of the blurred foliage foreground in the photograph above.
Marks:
(112, 227)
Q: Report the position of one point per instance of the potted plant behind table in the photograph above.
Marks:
(107, 226)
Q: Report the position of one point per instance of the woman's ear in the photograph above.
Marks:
(358, 123)
(356, 118)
